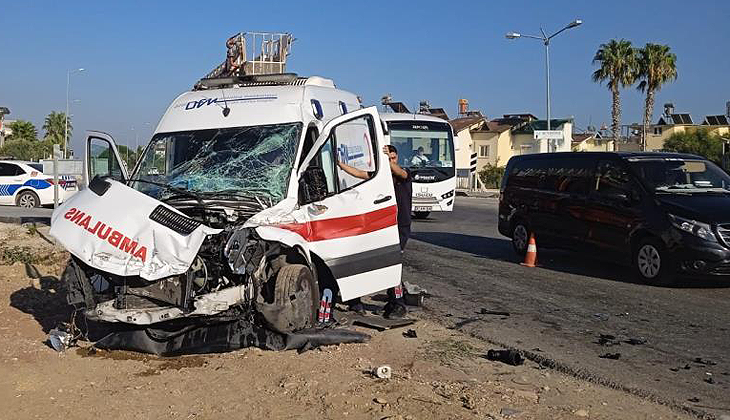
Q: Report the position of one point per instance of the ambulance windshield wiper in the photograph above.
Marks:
(181, 192)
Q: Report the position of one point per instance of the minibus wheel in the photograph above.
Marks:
(520, 238)
(296, 300)
(652, 264)
(421, 214)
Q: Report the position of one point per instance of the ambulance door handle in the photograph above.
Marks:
(382, 200)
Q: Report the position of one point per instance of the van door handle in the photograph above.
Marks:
(382, 200)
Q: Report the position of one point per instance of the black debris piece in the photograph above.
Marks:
(612, 356)
(485, 311)
(510, 357)
(636, 341)
(674, 369)
(709, 380)
(379, 323)
(607, 340)
(705, 362)
(199, 336)
(410, 334)
(693, 399)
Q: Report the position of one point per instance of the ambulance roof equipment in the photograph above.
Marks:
(255, 59)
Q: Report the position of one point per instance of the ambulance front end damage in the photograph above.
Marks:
(155, 279)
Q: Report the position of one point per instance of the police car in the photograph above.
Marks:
(24, 184)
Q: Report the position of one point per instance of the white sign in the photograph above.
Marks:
(548, 134)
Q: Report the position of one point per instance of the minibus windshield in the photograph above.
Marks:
(423, 148)
(254, 161)
(681, 175)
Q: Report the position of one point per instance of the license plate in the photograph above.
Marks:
(422, 208)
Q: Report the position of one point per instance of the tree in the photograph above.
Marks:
(55, 127)
(619, 68)
(23, 130)
(657, 66)
(491, 175)
(699, 142)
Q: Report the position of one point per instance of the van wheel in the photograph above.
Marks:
(28, 199)
(295, 300)
(421, 214)
(652, 264)
(520, 238)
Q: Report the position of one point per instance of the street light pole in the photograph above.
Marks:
(546, 41)
(65, 129)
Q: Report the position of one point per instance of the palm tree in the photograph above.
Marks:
(23, 130)
(619, 69)
(55, 127)
(657, 66)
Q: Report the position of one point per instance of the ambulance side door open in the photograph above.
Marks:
(102, 158)
(351, 223)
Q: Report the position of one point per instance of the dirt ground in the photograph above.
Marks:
(439, 374)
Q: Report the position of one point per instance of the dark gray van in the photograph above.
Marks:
(662, 212)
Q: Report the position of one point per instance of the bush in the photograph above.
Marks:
(491, 175)
(698, 142)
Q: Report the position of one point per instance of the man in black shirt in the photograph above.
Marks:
(395, 308)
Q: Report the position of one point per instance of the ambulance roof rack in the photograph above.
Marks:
(252, 54)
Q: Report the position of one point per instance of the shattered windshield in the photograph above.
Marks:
(254, 161)
(681, 175)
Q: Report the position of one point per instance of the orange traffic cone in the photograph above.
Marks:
(531, 256)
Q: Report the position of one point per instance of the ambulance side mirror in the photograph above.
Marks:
(312, 185)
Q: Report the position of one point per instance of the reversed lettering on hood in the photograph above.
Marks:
(107, 233)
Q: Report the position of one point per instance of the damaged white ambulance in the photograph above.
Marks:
(236, 209)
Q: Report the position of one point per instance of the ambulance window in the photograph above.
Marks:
(309, 140)
(325, 159)
(355, 148)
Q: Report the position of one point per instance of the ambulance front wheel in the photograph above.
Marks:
(295, 300)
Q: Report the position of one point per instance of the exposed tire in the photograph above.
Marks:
(28, 199)
(295, 300)
(520, 238)
(421, 214)
(652, 264)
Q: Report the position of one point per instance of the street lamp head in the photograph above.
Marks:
(575, 23)
(512, 35)
(81, 69)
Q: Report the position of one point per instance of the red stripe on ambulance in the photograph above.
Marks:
(342, 227)
(106, 233)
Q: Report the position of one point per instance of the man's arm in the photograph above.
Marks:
(357, 173)
(396, 170)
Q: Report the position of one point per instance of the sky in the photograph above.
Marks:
(139, 55)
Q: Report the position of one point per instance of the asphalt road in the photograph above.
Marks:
(559, 310)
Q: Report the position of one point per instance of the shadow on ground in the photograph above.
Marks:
(492, 248)
(46, 300)
(576, 263)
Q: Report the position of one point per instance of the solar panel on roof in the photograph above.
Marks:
(717, 120)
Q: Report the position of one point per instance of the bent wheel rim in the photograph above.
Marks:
(519, 237)
(649, 261)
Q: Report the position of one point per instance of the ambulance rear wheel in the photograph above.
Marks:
(421, 214)
(295, 300)
(28, 199)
